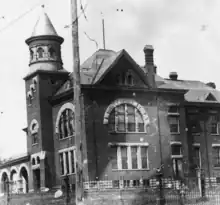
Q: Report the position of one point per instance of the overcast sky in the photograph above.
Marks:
(184, 33)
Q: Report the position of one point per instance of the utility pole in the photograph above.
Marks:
(79, 192)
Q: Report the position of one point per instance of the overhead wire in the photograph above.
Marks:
(20, 17)
(82, 12)
(91, 39)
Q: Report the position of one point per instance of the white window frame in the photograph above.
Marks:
(176, 115)
(68, 150)
(173, 143)
(217, 127)
(200, 159)
(126, 120)
(213, 146)
(129, 162)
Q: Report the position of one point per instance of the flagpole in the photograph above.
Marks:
(103, 30)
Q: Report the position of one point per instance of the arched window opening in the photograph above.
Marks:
(33, 161)
(29, 98)
(24, 180)
(66, 124)
(5, 182)
(129, 80)
(31, 54)
(126, 118)
(38, 160)
(40, 52)
(52, 52)
(34, 133)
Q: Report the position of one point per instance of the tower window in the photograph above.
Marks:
(33, 161)
(29, 98)
(52, 52)
(31, 54)
(38, 160)
(40, 52)
(34, 132)
(66, 124)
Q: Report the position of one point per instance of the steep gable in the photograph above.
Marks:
(97, 67)
(122, 71)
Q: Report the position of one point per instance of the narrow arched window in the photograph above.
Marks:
(66, 124)
(34, 127)
(31, 54)
(40, 52)
(52, 52)
(126, 118)
(129, 79)
(33, 161)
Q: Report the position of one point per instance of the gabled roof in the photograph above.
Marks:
(96, 67)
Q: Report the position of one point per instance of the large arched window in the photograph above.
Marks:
(66, 124)
(126, 116)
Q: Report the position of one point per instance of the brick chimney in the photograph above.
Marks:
(149, 65)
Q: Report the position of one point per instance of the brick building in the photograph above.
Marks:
(134, 119)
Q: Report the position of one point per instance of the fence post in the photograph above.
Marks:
(203, 185)
(161, 199)
(67, 186)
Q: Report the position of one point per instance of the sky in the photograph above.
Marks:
(185, 36)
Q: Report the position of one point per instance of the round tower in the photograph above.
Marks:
(45, 46)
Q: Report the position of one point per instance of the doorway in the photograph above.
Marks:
(36, 177)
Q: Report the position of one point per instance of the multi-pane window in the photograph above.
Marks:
(66, 124)
(67, 161)
(214, 125)
(126, 118)
(216, 156)
(173, 117)
(177, 162)
(129, 156)
(197, 156)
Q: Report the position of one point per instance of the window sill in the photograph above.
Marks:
(177, 156)
(195, 134)
(34, 144)
(130, 170)
(66, 138)
(64, 175)
(173, 114)
(174, 133)
(217, 134)
(216, 166)
(114, 132)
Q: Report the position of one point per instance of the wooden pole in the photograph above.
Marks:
(79, 192)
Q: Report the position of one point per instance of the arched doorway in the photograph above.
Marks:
(24, 180)
(14, 179)
(4, 181)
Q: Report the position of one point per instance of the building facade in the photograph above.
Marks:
(134, 120)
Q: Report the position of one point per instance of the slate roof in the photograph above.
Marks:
(197, 90)
(98, 65)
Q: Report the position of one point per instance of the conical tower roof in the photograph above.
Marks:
(44, 26)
